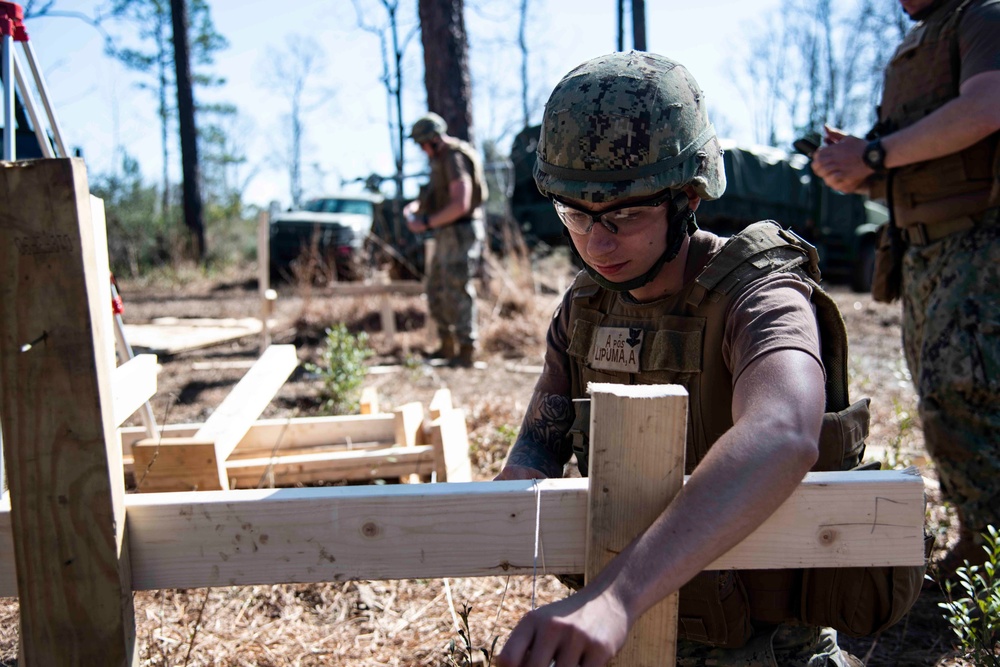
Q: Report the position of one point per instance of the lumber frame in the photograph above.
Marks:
(67, 508)
(198, 463)
(315, 449)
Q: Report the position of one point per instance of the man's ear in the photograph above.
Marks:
(693, 199)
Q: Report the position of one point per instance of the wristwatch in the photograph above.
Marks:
(874, 156)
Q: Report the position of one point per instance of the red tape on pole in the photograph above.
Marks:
(12, 21)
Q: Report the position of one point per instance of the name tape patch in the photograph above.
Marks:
(616, 349)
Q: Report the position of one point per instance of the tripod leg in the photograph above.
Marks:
(29, 103)
(7, 67)
(43, 92)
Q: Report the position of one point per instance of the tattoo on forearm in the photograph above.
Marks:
(541, 443)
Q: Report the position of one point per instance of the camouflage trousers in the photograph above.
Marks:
(451, 294)
(951, 337)
(774, 646)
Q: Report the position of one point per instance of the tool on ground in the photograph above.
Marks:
(50, 143)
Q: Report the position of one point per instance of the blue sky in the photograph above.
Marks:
(101, 109)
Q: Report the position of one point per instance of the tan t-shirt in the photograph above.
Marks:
(979, 38)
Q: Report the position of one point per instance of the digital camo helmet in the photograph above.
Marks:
(627, 125)
(428, 127)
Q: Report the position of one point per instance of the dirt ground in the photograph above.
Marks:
(409, 623)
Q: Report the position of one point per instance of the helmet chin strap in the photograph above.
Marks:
(681, 223)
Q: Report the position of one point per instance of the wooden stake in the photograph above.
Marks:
(637, 440)
(64, 463)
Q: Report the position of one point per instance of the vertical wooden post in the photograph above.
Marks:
(637, 440)
(63, 462)
(267, 295)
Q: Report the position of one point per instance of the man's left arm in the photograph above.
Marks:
(963, 121)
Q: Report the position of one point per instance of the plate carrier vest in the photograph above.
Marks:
(685, 348)
(922, 76)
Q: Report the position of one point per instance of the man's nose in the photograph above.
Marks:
(601, 241)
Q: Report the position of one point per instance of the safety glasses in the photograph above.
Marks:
(625, 219)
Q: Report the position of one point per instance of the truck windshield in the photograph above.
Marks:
(355, 206)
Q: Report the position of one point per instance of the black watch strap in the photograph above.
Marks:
(874, 155)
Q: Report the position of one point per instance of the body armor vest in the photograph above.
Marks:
(922, 76)
(437, 194)
(681, 343)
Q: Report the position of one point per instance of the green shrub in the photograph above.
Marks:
(342, 369)
(975, 617)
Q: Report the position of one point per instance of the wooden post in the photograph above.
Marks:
(637, 440)
(387, 314)
(64, 463)
(267, 295)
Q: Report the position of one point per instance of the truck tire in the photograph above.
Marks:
(864, 267)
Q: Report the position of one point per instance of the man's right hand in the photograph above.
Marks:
(832, 135)
(519, 472)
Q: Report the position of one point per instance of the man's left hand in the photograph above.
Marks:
(840, 165)
(417, 224)
(585, 629)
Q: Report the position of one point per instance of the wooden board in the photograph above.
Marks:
(265, 434)
(132, 384)
(450, 437)
(55, 397)
(177, 464)
(410, 433)
(417, 531)
(439, 403)
(231, 420)
(400, 287)
(182, 335)
(369, 401)
(309, 467)
(637, 441)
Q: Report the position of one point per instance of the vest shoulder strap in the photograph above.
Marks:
(757, 250)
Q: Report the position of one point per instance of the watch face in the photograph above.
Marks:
(873, 156)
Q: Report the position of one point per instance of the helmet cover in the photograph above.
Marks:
(627, 125)
(428, 127)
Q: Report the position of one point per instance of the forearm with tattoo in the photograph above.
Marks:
(541, 443)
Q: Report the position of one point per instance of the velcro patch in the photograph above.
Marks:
(616, 349)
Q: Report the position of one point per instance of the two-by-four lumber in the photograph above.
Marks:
(450, 437)
(266, 434)
(439, 403)
(331, 466)
(198, 463)
(410, 433)
(132, 384)
(419, 531)
(369, 401)
(56, 356)
(636, 467)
